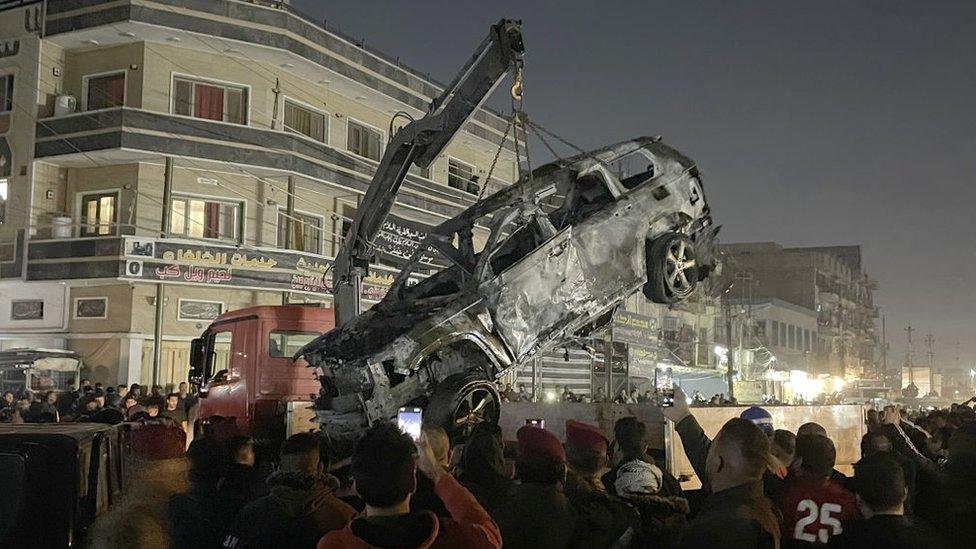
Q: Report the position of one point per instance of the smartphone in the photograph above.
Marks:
(664, 383)
(536, 422)
(409, 420)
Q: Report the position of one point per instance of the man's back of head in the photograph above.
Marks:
(784, 446)
(816, 455)
(630, 434)
(300, 453)
(879, 482)
(811, 428)
(383, 466)
(739, 454)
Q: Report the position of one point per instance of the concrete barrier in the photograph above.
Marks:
(514, 414)
(844, 425)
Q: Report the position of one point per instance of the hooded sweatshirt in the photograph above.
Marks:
(299, 510)
(469, 526)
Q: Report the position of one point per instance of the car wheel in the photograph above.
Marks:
(672, 268)
(461, 402)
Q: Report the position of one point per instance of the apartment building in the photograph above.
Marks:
(265, 126)
(828, 284)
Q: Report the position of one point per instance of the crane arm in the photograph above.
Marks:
(419, 143)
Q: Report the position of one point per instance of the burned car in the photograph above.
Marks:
(566, 245)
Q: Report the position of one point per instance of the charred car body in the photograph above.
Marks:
(566, 245)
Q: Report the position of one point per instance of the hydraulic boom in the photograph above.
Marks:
(419, 143)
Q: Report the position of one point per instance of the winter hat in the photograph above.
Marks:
(760, 417)
(638, 477)
(534, 442)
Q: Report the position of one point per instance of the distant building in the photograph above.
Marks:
(828, 283)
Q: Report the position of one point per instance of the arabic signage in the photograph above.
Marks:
(400, 238)
(634, 328)
(642, 361)
(191, 262)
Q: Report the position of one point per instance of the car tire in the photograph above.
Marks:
(672, 268)
(460, 402)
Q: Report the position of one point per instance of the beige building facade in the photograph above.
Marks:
(265, 127)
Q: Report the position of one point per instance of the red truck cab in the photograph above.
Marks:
(243, 366)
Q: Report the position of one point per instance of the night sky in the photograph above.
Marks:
(814, 123)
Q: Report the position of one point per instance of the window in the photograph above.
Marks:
(792, 332)
(4, 189)
(633, 168)
(306, 121)
(782, 334)
(306, 232)
(219, 357)
(363, 141)
(104, 92)
(286, 344)
(461, 176)
(206, 218)
(210, 101)
(774, 333)
(6, 101)
(99, 214)
(806, 340)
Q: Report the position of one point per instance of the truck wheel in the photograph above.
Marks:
(672, 268)
(461, 402)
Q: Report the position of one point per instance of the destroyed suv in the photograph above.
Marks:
(565, 246)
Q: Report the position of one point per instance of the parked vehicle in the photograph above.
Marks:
(244, 367)
(39, 370)
(57, 478)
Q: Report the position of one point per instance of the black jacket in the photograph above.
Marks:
(490, 489)
(200, 517)
(603, 520)
(739, 517)
(696, 445)
(297, 512)
(537, 516)
(663, 520)
(888, 531)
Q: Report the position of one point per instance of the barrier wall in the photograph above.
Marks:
(844, 424)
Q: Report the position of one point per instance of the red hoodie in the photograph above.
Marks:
(469, 526)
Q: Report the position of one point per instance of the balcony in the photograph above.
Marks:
(124, 135)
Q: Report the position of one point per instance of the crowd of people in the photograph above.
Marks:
(761, 487)
(97, 403)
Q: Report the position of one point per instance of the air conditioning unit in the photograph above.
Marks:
(65, 104)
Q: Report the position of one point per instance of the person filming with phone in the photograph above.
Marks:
(384, 466)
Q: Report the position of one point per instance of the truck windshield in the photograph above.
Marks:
(285, 343)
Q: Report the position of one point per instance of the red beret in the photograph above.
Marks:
(537, 442)
(584, 435)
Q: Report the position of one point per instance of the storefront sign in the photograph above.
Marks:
(188, 262)
(642, 361)
(634, 328)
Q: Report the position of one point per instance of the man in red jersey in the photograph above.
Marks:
(815, 507)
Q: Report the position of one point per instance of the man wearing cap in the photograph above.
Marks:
(604, 519)
(538, 514)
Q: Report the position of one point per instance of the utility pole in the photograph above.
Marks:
(160, 300)
(929, 346)
(884, 350)
(908, 356)
(730, 363)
